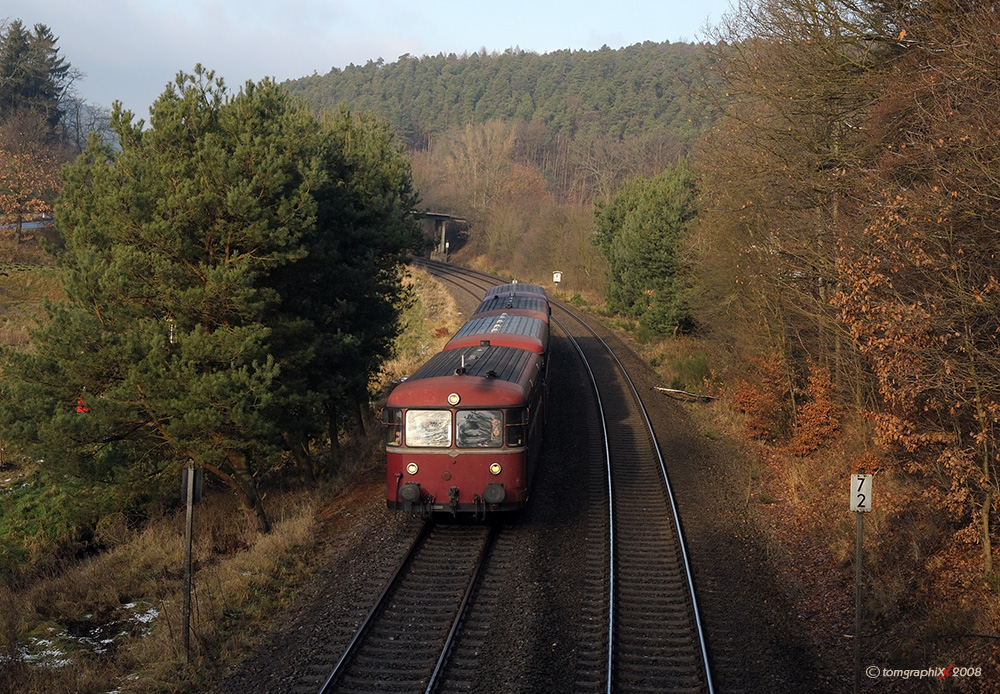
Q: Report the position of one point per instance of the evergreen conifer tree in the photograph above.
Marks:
(232, 280)
(640, 232)
(33, 76)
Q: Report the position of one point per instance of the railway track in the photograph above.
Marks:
(404, 642)
(644, 633)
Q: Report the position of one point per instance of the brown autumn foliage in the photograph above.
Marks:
(769, 418)
(851, 222)
(764, 400)
(29, 168)
(817, 420)
(919, 288)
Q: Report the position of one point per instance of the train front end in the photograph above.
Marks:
(459, 432)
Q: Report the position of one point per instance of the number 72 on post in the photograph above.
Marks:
(861, 493)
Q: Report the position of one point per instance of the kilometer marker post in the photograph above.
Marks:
(861, 503)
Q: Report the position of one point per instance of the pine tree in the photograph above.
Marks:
(165, 331)
(232, 274)
(347, 289)
(640, 232)
(33, 76)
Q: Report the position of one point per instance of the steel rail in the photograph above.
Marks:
(670, 494)
(460, 617)
(698, 626)
(338, 669)
(611, 514)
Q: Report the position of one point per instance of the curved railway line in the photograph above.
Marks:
(587, 589)
(654, 640)
(639, 628)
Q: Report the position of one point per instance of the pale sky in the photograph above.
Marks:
(130, 49)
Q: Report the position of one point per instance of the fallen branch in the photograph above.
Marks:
(683, 394)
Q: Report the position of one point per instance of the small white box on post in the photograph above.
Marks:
(557, 277)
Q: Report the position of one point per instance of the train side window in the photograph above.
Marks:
(517, 427)
(479, 428)
(392, 420)
(428, 428)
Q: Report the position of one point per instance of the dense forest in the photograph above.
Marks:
(637, 91)
(521, 144)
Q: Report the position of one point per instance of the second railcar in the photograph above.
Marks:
(516, 289)
(505, 329)
(496, 304)
(462, 433)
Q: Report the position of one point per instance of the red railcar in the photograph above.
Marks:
(532, 305)
(462, 433)
(506, 329)
(515, 289)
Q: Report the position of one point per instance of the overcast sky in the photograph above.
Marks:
(130, 49)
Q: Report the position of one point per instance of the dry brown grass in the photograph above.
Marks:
(241, 578)
(23, 289)
(428, 325)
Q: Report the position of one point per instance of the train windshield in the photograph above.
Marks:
(479, 428)
(428, 428)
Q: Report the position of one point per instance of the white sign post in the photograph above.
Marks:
(861, 503)
(861, 492)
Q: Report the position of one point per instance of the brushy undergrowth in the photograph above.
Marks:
(114, 622)
(427, 324)
(924, 597)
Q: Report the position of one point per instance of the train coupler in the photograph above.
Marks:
(453, 500)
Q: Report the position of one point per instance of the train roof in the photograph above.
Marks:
(512, 330)
(482, 375)
(528, 304)
(515, 289)
(479, 361)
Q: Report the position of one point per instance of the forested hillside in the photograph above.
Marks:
(521, 144)
(633, 91)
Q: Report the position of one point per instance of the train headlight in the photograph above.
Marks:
(412, 468)
(454, 399)
(495, 469)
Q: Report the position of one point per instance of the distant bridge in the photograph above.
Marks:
(437, 223)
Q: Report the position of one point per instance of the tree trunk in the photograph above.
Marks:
(252, 502)
(299, 450)
(986, 509)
